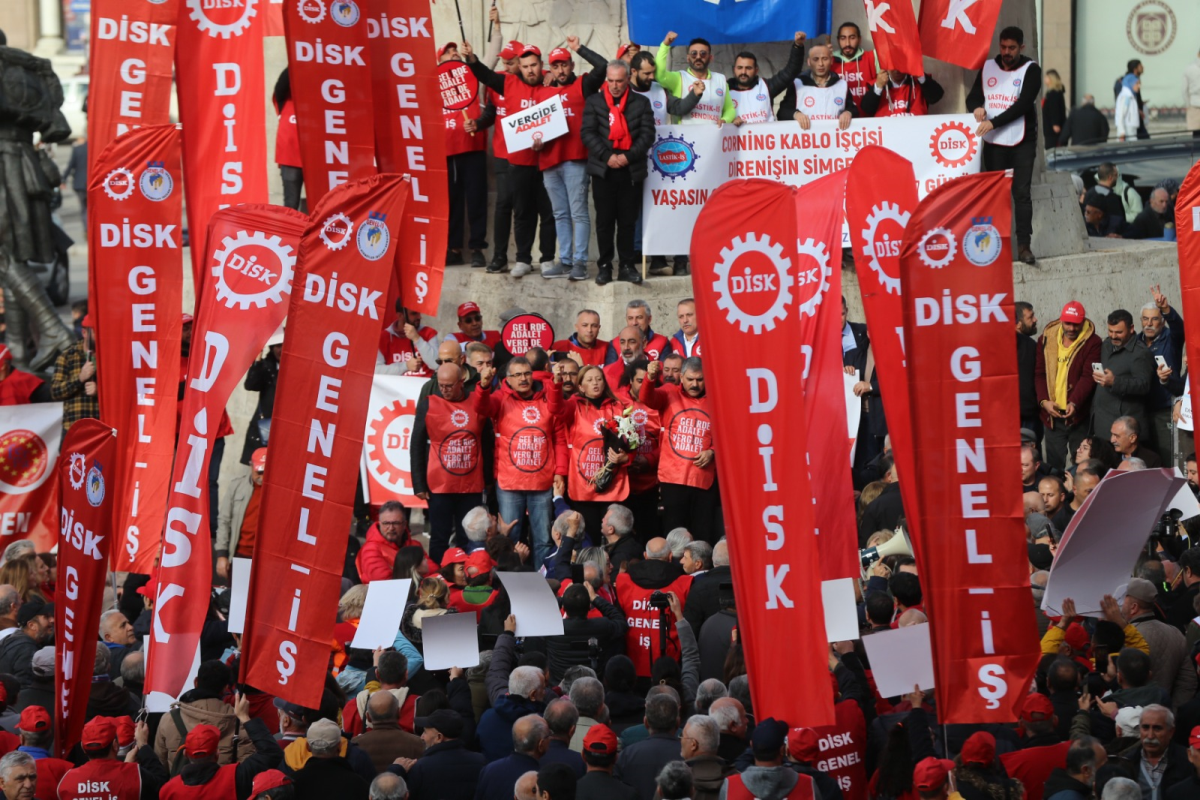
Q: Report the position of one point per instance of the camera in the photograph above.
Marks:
(659, 600)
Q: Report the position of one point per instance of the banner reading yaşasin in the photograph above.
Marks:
(404, 82)
(316, 441)
(744, 267)
(85, 476)
(250, 262)
(219, 76)
(956, 270)
(136, 263)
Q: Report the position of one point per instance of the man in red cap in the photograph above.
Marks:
(140, 776)
(1190, 788)
(202, 778)
(600, 756)
(17, 387)
(470, 327)
(980, 772)
(406, 347)
(1041, 751)
(1063, 380)
(931, 779)
(37, 735)
(271, 784)
(74, 381)
(478, 593)
(237, 518)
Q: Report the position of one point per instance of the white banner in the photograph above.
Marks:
(543, 122)
(386, 473)
(689, 162)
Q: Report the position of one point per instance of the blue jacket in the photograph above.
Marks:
(559, 752)
(493, 734)
(498, 778)
(1169, 345)
(447, 771)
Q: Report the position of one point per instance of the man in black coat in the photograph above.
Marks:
(447, 771)
(704, 598)
(1086, 125)
(327, 773)
(1156, 755)
(571, 648)
(617, 164)
(885, 512)
(1027, 328)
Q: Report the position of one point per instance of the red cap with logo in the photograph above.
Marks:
(1073, 312)
(125, 730)
(265, 781)
(455, 555)
(258, 459)
(531, 49)
(511, 49)
(467, 308)
(559, 54)
(803, 744)
(623, 49)
(601, 740)
(1193, 739)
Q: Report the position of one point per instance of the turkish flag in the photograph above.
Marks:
(1187, 239)
(893, 29)
(958, 31)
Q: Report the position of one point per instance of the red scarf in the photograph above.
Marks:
(618, 128)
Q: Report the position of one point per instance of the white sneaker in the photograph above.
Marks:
(549, 265)
(521, 270)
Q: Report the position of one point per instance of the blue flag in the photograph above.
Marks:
(726, 21)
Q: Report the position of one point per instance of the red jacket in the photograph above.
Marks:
(1033, 765)
(375, 559)
(18, 387)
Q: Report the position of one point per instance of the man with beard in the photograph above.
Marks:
(819, 94)
(35, 629)
(715, 105)
(664, 105)
(631, 347)
(754, 96)
(896, 94)
(854, 65)
(1008, 120)
(638, 315)
(406, 346)
(687, 469)
(1162, 332)
(1026, 365)
(672, 365)
(1066, 351)
(585, 341)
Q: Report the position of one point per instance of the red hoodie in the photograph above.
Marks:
(377, 556)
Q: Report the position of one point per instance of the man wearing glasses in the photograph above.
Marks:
(384, 540)
(470, 327)
(715, 105)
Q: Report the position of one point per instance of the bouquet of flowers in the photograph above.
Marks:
(620, 433)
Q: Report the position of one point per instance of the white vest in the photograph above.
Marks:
(753, 105)
(711, 102)
(657, 96)
(821, 102)
(1001, 88)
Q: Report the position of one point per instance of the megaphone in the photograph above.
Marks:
(897, 545)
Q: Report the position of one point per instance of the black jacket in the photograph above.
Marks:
(622, 550)
(781, 80)
(571, 648)
(39, 692)
(1178, 768)
(639, 117)
(1187, 789)
(1060, 783)
(447, 771)
(16, 656)
(787, 106)
(704, 598)
(1025, 106)
(1026, 363)
(322, 778)
(260, 378)
(1086, 125)
(599, 785)
(1054, 112)
(884, 513)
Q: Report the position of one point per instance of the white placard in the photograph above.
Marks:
(381, 613)
(1184, 499)
(1185, 409)
(841, 612)
(853, 411)
(545, 121)
(450, 640)
(901, 659)
(239, 590)
(533, 604)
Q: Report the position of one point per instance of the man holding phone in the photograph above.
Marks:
(1162, 333)
(1124, 376)
(1065, 352)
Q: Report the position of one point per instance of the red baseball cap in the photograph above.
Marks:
(480, 562)
(930, 775)
(201, 742)
(98, 734)
(258, 459)
(511, 49)
(1073, 312)
(560, 54)
(980, 748)
(150, 589)
(446, 47)
(467, 308)
(529, 48)
(125, 730)
(601, 740)
(623, 49)
(271, 779)
(1193, 739)
(184, 319)
(803, 744)
(34, 719)
(455, 555)
(1037, 707)
(87, 321)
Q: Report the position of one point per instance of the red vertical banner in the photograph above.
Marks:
(331, 88)
(250, 263)
(818, 303)
(136, 260)
(958, 32)
(893, 29)
(132, 49)
(317, 430)
(881, 195)
(219, 79)
(745, 272)
(956, 269)
(85, 477)
(29, 446)
(410, 140)
(1187, 240)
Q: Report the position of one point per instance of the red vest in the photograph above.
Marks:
(287, 137)
(222, 786)
(687, 431)
(843, 747)
(18, 387)
(649, 425)
(490, 338)
(907, 99)
(655, 349)
(455, 446)
(642, 642)
(499, 148)
(590, 356)
(49, 772)
(736, 790)
(458, 140)
(569, 146)
(397, 349)
(858, 74)
(1033, 765)
(353, 723)
(588, 453)
(104, 778)
(525, 440)
(519, 95)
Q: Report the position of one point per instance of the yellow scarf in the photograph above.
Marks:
(1064, 361)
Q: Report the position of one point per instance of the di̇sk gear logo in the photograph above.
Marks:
(237, 269)
(24, 461)
(335, 233)
(459, 418)
(937, 248)
(639, 417)
(875, 246)
(311, 11)
(119, 184)
(531, 415)
(77, 471)
(817, 252)
(389, 434)
(753, 243)
(953, 145)
(224, 25)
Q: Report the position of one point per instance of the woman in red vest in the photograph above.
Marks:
(582, 417)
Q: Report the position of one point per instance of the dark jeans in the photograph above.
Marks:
(214, 470)
(468, 188)
(1062, 442)
(446, 512)
(293, 186)
(644, 505)
(1020, 160)
(530, 202)
(698, 510)
(618, 200)
(503, 216)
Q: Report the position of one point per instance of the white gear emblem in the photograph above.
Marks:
(390, 465)
(459, 418)
(753, 244)
(879, 213)
(639, 417)
(819, 254)
(224, 31)
(309, 14)
(336, 244)
(77, 470)
(531, 415)
(598, 426)
(130, 182)
(951, 249)
(274, 293)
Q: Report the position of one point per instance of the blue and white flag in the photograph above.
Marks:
(726, 21)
